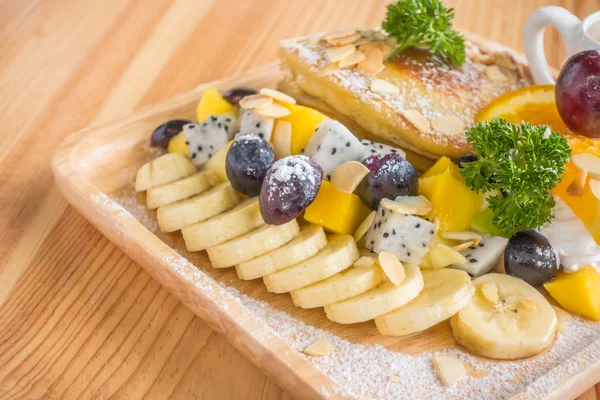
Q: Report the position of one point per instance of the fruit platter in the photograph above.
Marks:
(384, 212)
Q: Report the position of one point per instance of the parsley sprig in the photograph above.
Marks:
(424, 23)
(523, 161)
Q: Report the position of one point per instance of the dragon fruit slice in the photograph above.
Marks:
(333, 144)
(406, 236)
(205, 139)
(379, 149)
(252, 123)
(482, 258)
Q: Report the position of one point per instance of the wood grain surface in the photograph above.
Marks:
(78, 318)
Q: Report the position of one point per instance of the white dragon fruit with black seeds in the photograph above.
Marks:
(380, 149)
(205, 139)
(484, 256)
(405, 236)
(333, 144)
(252, 123)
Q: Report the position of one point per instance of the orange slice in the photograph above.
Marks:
(534, 104)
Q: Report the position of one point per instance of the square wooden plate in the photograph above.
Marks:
(96, 166)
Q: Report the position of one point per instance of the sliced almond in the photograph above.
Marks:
(577, 186)
(562, 315)
(383, 87)
(418, 205)
(340, 41)
(494, 74)
(561, 328)
(255, 102)
(449, 125)
(274, 111)
(436, 221)
(505, 60)
(319, 348)
(348, 175)
(338, 53)
(277, 95)
(392, 267)
(595, 188)
(461, 235)
(364, 262)
(282, 139)
(588, 162)
(352, 59)
(442, 256)
(362, 41)
(339, 34)
(448, 369)
(372, 63)
(465, 245)
(329, 69)
(394, 379)
(489, 290)
(417, 120)
(381, 46)
(364, 226)
(527, 304)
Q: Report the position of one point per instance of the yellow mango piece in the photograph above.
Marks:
(177, 144)
(216, 164)
(304, 120)
(453, 203)
(578, 292)
(336, 211)
(212, 103)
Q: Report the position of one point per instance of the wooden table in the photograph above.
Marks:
(78, 318)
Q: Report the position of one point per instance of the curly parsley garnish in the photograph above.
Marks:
(522, 161)
(424, 23)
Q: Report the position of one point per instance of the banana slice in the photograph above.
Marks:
(164, 169)
(309, 241)
(348, 283)
(380, 300)
(517, 322)
(339, 254)
(186, 212)
(241, 219)
(179, 190)
(252, 244)
(446, 292)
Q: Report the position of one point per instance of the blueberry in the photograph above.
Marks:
(236, 94)
(531, 257)
(289, 187)
(390, 176)
(161, 135)
(247, 162)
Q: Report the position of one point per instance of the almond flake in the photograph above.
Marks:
(339, 34)
(527, 304)
(595, 188)
(329, 69)
(273, 111)
(255, 102)
(449, 125)
(448, 369)
(364, 262)
(277, 95)
(477, 57)
(561, 315)
(364, 226)
(461, 235)
(489, 290)
(381, 46)
(588, 162)
(436, 221)
(382, 86)
(352, 59)
(561, 328)
(361, 41)
(394, 379)
(372, 63)
(505, 60)
(577, 186)
(319, 348)
(494, 74)
(465, 245)
(392, 267)
(348, 39)
(282, 139)
(348, 175)
(418, 205)
(338, 53)
(417, 120)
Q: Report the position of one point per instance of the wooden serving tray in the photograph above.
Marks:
(96, 167)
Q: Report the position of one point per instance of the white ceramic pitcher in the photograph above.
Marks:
(577, 35)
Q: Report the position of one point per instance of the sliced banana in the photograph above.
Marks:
(520, 324)
(179, 190)
(252, 244)
(164, 169)
(339, 254)
(309, 241)
(187, 212)
(348, 283)
(446, 292)
(241, 219)
(382, 299)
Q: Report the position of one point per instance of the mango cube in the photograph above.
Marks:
(212, 103)
(336, 211)
(578, 292)
(177, 144)
(304, 120)
(453, 202)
